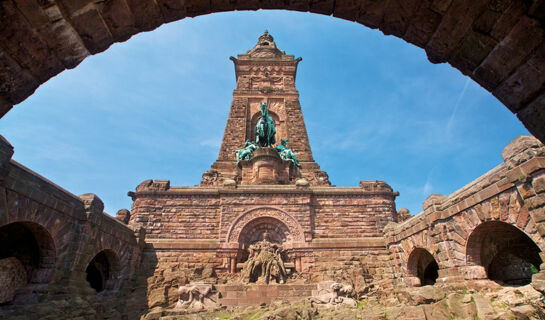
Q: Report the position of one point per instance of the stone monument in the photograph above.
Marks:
(265, 221)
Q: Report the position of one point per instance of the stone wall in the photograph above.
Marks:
(178, 235)
(461, 230)
(57, 235)
(200, 233)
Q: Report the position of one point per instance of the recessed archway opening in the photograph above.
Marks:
(253, 232)
(27, 256)
(100, 272)
(422, 265)
(508, 255)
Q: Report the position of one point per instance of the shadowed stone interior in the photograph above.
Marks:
(506, 253)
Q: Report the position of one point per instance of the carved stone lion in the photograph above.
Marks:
(195, 297)
(332, 294)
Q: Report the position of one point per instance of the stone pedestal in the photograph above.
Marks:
(265, 167)
(256, 294)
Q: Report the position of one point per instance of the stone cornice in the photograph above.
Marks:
(261, 189)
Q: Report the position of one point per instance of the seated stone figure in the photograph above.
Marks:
(246, 152)
(264, 263)
(286, 153)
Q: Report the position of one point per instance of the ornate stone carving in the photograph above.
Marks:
(195, 297)
(332, 294)
(265, 263)
(154, 185)
(210, 177)
(321, 178)
(375, 186)
(295, 230)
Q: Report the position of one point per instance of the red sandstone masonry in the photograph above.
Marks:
(504, 194)
(78, 229)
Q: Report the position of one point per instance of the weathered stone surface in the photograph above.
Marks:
(521, 149)
(422, 295)
(423, 24)
(473, 50)
(12, 277)
(371, 13)
(92, 30)
(434, 200)
(453, 28)
(525, 36)
(533, 116)
(524, 84)
(24, 45)
(397, 16)
(123, 215)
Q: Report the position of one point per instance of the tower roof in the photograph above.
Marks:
(265, 47)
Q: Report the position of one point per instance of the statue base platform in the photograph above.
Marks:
(265, 167)
(256, 294)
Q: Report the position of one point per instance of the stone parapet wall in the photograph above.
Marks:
(69, 231)
(512, 194)
(209, 213)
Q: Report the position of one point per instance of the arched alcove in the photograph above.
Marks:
(27, 251)
(422, 265)
(253, 232)
(508, 255)
(279, 126)
(101, 272)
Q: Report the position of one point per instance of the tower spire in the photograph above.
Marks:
(265, 75)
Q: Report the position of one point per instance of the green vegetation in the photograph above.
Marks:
(362, 303)
(533, 269)
(256, 315)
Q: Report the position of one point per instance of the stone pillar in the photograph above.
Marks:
(233, 264)
(298, 267)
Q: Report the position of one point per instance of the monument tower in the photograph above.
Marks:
(265, 74)
(264, 213)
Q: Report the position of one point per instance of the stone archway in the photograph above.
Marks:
(499, 44)
(27, 255)
(254, 230)
(102, 271)
(422, 267)
(507, 254)
(266, 217)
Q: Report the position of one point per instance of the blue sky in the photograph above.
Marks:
(155, 107)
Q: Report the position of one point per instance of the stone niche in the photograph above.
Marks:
(265, 167)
